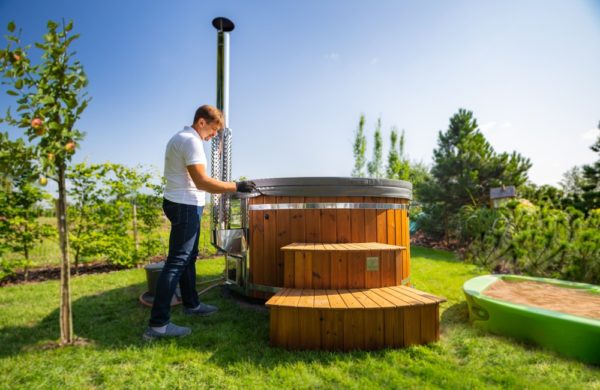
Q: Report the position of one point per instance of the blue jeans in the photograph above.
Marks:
(180, 266)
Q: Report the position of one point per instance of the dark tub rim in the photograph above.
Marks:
(333, 187)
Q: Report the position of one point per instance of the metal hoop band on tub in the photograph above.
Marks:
(326, 205)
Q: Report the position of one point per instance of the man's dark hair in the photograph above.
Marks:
(210, 114)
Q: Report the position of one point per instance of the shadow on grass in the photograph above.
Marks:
(455, 314)
(115, 320)
(104, 319)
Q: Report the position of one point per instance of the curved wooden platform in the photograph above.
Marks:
(342, 266)
(351, 319)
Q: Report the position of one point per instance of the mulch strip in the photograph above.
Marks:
(421, 239)
(53, 273)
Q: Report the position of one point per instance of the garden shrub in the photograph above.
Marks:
(534, 240)
(104, 223)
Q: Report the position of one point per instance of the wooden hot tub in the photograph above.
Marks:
(321, 210)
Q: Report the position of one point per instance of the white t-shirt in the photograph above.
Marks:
(184, 148)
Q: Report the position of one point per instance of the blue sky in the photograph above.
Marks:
(302, 72)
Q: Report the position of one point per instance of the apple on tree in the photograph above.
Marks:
(36, 123)
(38, 126)
(70, 146)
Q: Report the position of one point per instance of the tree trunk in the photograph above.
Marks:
(135, 230)
(77, 262)
(66, 316)
(446, 228)
(78, 234)
(26, 267)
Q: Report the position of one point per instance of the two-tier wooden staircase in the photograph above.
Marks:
(347, 297)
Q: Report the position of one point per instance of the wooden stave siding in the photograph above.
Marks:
(361, 329)
(266, 260)
(365, 325)
(341, 269)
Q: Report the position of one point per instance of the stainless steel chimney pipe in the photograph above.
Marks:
(224, 27)
(221, 144)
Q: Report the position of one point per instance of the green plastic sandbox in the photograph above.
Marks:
(570, 335)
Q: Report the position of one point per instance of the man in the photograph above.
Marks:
(187, 184)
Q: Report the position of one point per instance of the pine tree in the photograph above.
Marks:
(572, 181)
(375, 166)
(404, 168)
(393, 158)
(398, 166)
(359, 149)
(465, 168)
(418, 175)
(591, 181)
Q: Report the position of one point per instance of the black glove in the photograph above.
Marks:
(245, 186)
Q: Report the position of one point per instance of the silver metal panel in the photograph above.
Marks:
(328, 205)
(235, 270)
(232, 241)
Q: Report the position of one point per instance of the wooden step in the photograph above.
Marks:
(353, 319)
(342, 266)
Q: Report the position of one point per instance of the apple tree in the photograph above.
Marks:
(20, 199)
(130, 206)
(50, 94)
(115, 213)
(150, 214)
(86, 196)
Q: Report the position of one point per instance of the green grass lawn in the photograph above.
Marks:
(230, 349)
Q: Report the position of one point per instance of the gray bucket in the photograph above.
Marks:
(152, 273)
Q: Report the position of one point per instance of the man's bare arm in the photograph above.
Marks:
(206, 183)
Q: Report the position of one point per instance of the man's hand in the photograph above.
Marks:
(245, 186)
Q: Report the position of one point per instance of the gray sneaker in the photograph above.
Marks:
(201, 310)
(171, 331)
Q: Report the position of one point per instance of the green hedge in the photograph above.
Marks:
(534, 240)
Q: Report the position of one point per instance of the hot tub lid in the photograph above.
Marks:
(334, 186)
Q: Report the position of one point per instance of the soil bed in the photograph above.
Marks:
(53, 273)
(547, 296)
